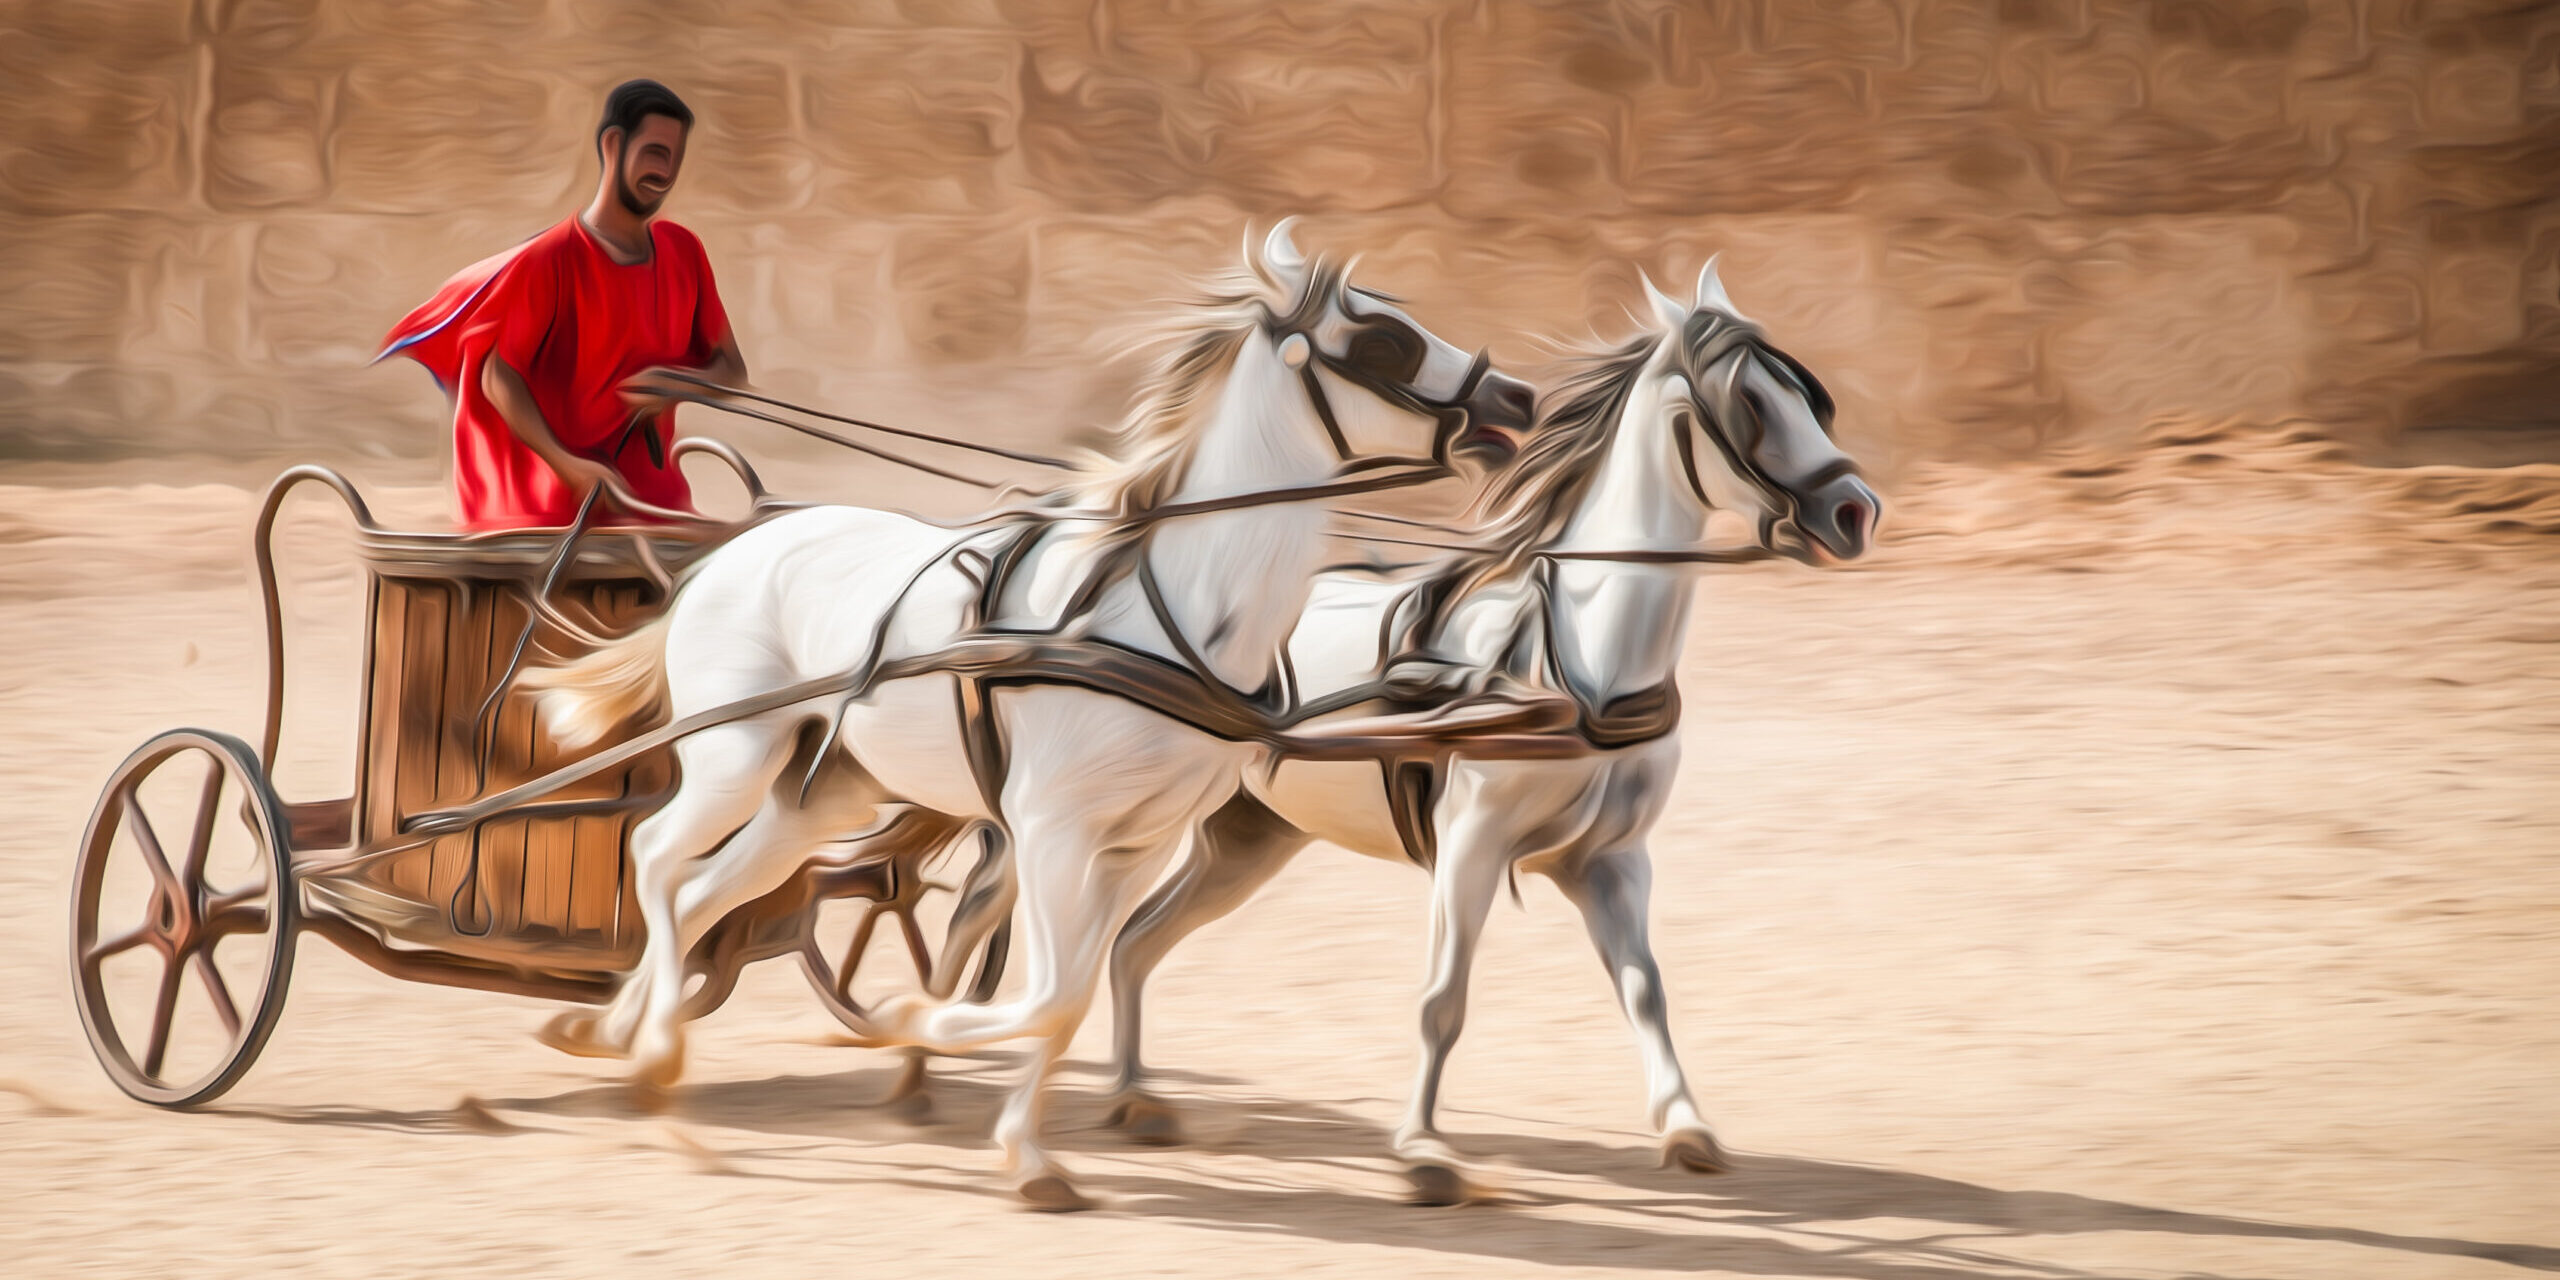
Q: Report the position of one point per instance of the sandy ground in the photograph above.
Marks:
(2141, 867)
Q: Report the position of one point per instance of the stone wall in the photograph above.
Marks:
(1990, 226)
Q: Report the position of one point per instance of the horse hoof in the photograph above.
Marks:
(1436, 1184)
(1147, 1121)
(1696, 1151)
(574, 1034)
(1051, 1193)
(912, 1107)
(657, 1073)
(911, 1098)
(650, 1097)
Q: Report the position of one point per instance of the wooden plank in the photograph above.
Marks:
(502, 842)
(542, 906)
(421, 732)
(511, 758)
(381, 746)
(450, 779)
(485, 645)
(597, 859)
(552, 845)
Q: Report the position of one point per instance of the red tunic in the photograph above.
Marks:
(575, 324)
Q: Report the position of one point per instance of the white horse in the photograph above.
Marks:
(1298, 382)
(1586, 590)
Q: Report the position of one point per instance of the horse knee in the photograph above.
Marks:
(1444, 1015)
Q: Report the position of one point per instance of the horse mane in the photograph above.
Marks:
(1526, 506)
(1188, 354)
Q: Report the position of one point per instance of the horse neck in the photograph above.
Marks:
(1618, 626)
(1234, 581)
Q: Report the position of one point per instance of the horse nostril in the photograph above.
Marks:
(1852, 520)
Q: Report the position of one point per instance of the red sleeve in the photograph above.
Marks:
(710, 319)
(514, 319)
(432, 334)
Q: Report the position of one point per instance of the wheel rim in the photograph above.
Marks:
(183, 918)
(836, 962)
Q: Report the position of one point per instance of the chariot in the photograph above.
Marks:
(196, 880)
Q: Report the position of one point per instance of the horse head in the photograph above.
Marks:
(1375, 376)
(1753, 427)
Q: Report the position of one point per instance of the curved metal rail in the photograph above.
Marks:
(264, 540)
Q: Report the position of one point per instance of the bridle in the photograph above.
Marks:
(1736, 427)
(1449, 416)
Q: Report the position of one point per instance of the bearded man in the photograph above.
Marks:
(557, 351)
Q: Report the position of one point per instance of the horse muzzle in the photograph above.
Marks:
(1838, 519)
(1496, 414)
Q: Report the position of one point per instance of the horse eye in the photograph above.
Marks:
(1391, 355)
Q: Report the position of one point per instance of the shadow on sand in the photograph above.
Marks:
(1665, 1221)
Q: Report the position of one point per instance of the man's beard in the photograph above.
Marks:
(632, 202)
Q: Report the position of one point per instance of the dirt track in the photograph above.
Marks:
(2139, 868)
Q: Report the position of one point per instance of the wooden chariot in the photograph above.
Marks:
(195, 878)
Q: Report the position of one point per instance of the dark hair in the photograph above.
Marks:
(635, 100)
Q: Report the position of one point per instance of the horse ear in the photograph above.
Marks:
(1280, 255)
(1711, 289)
(1669, 312)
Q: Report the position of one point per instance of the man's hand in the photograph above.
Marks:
(583, 475)
(651, 391)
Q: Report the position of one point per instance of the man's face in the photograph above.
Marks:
(645, 167)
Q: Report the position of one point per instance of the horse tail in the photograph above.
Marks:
(582, 700)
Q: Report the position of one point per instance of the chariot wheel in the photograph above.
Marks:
(840, 948)
(182, 918)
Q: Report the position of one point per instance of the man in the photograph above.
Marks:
(557, 352)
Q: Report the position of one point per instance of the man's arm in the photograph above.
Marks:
(726, 366)
(649, 389)
(513, 400)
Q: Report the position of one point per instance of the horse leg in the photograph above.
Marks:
(1612, 889)
(1235, 852)
(1468, 874)
(1073, 900)
(714, 798)
(986, 899)
(727, 773)
(761, 857)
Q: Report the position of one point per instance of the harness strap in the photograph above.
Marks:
(1412, 787)
(1636, 717)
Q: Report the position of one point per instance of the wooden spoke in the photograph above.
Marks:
(853, 953)
(163, 1012)
(118, 944)
(148, 841)
(915, 943)
(221, 991)
(208, 808)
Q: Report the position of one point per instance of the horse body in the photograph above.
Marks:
(1095, 792)
(1584, 610)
